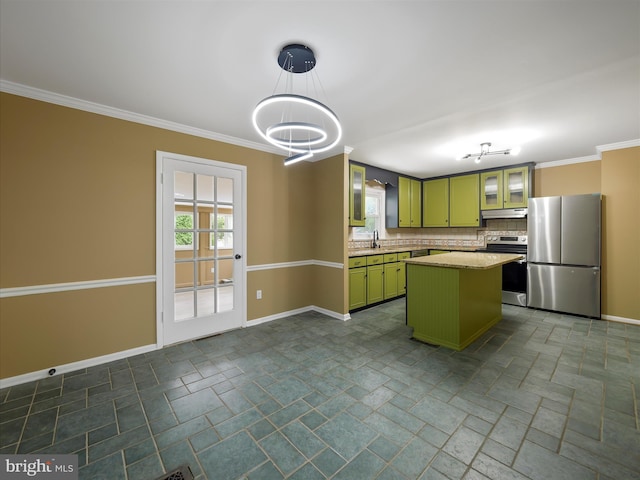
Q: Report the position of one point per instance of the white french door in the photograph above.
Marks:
(200, 236)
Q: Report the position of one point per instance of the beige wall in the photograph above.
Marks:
(572, 179)
(621, 227)
(77, 203)
(617, 177)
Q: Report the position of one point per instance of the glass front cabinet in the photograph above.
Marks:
(356, 195)
(508, 188)
(516, 187)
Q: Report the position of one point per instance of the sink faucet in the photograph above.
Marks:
(375, 237)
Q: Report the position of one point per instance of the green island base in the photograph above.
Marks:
(452, 307)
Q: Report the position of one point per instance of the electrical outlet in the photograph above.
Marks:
(258, 294)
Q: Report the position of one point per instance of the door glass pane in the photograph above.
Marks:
(206, 244)
(225, 190)
(225, 271)
(205, 188)
(183, 302)
(206, 302)
(224, 218)
(183, 185)
(225, 298)
(206, 272)
(224, 241)
(184, 274)
(183, 230)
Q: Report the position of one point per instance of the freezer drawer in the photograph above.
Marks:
(564, 289)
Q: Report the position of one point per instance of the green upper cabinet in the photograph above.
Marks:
(508, 188)
(409, 202)
(491, 190)
(416, 203)
(464, 200)
(356, 195)
(435, 203)
(516, 187)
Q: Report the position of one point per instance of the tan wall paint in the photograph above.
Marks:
(77, 203)
(617, 177)
(309, 211)
(43, 331)
(573, 179)
(328, 194)
(330, 236)
(621, 233)
(283, 289)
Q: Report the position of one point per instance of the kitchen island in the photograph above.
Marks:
(453, 298)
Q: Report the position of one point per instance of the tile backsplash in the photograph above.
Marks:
(453, 237)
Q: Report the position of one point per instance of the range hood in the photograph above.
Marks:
(505, 213)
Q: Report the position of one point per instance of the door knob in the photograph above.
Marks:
(238, 256)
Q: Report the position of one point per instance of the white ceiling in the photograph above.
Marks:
(413, 82)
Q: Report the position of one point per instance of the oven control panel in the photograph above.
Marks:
(507, 239)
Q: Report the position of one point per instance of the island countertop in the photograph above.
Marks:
(470, 260)
(360, 252)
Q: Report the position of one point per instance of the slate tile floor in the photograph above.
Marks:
(540, 396)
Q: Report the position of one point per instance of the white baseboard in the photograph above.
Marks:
(613, 318)
(70, 367)
(310, 308)
(92, 362)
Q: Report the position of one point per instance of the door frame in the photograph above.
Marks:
(160, 156)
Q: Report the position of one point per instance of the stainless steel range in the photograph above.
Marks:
(514, 274)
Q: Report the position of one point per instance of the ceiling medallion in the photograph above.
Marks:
(294, 122)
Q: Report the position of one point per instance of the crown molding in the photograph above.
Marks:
(618, 145)
(79, 104)
(591, 158)
(568, 161)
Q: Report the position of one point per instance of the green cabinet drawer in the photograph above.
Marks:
(375, 259)
(404, 255)
(355, 262)
(390, 257)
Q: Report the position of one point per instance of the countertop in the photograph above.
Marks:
(472, 260)
(407, 248)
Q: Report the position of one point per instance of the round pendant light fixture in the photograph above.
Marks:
(294, 122)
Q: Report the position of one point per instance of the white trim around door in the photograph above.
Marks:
(169, 329)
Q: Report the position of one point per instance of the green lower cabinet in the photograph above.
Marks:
(390, 280)
(375, 284)
(375, 278)
(357, 288)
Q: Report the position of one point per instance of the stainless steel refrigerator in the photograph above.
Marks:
(563, 258)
